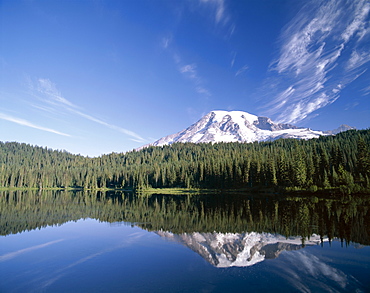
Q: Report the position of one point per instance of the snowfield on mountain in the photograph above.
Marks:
(239, 126)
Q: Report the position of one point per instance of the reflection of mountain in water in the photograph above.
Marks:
(238, 249)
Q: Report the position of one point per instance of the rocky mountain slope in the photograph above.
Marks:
(239, 126)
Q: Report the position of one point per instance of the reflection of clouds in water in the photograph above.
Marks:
(61, 272)
(305, 271)
(56, 275)
(14, 254)
(134, 237)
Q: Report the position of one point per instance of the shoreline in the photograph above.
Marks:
(179, 191)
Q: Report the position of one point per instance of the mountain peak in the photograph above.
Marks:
(237, 116)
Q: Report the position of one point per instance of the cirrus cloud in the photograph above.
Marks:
(48, 93)
(27, 123)
(319, 56)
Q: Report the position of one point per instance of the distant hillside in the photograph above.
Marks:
(341, 128)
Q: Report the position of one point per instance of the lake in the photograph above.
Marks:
(59, 241)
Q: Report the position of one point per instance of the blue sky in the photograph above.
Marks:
(95, 77)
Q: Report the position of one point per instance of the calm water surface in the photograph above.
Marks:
(81, 242)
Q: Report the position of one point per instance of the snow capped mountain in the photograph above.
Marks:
(236, 126)
(238, 249)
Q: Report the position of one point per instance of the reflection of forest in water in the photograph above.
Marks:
(346, 219)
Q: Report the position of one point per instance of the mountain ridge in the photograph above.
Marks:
(240, 126)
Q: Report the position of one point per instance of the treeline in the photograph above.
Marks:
(340, 162)
(346, 219)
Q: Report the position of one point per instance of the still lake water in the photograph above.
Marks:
(116, 242)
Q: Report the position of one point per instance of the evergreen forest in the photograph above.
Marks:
(339, 163)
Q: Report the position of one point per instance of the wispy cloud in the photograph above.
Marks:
(219, 11)
(358, 58)
(14, 254)
(359, 23)
(366, 91)
(48, 88)
(314, 270)
(166, 41)
(29, 124)
(203, 91)
(48, 93)
(233, 57)
(215, 11)
(47, 280)
(134, 136)
(313, 64)
(241, 70)
(190, 71)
